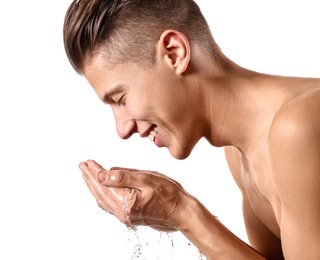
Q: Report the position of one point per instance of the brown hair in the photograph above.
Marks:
(128, 30)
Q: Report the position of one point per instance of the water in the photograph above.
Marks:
(147, 244)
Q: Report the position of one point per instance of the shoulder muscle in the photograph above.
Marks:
(294, 145)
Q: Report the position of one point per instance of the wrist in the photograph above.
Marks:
(190, 213)
(209, 235)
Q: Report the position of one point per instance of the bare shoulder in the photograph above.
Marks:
(294, 137)
(294, 148)
(299, 117)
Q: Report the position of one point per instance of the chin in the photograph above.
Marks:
(180, 154)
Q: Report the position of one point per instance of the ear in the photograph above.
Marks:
(174, 48)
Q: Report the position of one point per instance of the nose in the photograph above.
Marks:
(125, 127)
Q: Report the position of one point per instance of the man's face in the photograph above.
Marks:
(154, 102)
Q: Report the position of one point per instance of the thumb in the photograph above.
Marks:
(111, 178)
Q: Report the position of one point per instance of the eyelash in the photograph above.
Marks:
(121, 101)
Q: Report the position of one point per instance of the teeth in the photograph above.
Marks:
(153, 134)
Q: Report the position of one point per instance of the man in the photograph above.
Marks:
(158, 67)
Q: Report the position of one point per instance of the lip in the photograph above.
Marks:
(157, 142)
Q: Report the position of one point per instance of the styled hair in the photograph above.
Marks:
(128, 30)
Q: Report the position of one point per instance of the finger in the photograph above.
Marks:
(91, 182)
(146, 172)
(115, 178)
(112, 200)
(99, 202)
(82, 166)
(91, 188)
(94, 164)
(88, 170)
(102, 197)
(126, 179)
(106, 199)
(95, 167)
(123, 169)
(120, 177)
(92, 185)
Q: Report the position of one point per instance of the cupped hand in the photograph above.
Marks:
(116, 201)
(136, 197)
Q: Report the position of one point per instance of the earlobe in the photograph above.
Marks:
(174, 47)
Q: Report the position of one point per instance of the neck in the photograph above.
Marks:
(240, 107)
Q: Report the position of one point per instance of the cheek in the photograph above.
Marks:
(140, 109)
(176, 112)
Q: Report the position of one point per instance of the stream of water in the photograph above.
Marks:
(147, 244)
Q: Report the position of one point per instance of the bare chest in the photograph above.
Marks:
(253, 175)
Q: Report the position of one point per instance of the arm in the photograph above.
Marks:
(260, 237)
(295, 155)
(212, 238)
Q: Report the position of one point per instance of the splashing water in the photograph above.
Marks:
(147, 244)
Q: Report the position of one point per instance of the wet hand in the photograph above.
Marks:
(136, 197)
(116, 201)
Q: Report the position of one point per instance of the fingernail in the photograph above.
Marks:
(101, 176)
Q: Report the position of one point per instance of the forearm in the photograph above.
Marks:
(210, 236)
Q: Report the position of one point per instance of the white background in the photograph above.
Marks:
(50, 120)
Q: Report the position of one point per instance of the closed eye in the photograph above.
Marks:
(110, 97)
(121, 101)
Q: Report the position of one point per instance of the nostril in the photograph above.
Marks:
(133, 131)
(126, 130)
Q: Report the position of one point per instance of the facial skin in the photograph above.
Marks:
(143, 99)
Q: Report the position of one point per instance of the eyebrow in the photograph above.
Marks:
(106, 98)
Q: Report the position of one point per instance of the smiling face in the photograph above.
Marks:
(156, 102)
